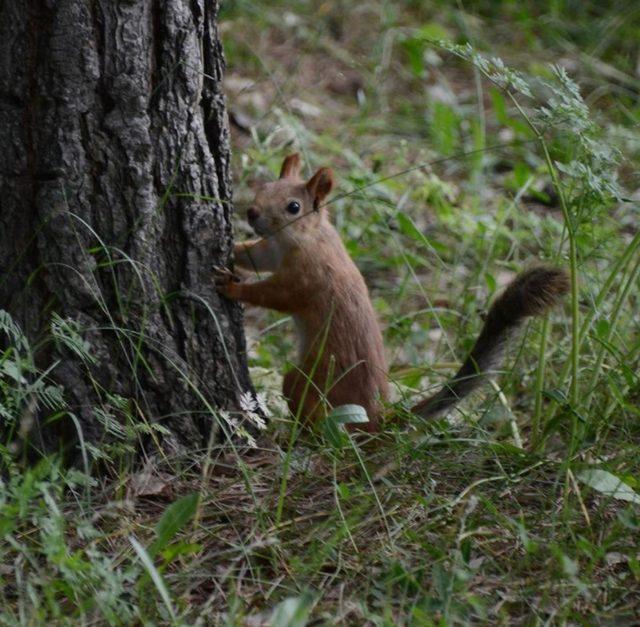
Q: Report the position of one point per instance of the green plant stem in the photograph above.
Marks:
(619, 268)
(613, 320)
(539, 384)
(573, 269)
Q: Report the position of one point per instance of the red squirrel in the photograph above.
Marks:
(312, 277)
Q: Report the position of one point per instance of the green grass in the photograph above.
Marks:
(444, 523)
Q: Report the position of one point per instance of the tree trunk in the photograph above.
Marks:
(115, 204)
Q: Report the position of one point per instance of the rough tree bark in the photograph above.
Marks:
(115, 203)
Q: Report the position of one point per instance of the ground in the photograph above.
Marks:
(454, 172)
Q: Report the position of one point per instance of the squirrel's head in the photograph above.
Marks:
(290, 207)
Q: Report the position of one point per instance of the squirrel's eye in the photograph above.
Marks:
(293, 207)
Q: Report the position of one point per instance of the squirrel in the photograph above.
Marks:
(312, 277)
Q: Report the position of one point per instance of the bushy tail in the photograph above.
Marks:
(531, 293)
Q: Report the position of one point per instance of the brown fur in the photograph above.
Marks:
(341, 358)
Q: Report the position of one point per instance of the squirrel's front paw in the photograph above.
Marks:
(226, 281)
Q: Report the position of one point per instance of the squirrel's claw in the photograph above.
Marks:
(224, 276)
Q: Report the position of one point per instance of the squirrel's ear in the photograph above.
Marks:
(290, 166)
(319, 186)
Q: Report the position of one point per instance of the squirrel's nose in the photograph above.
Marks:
(252, 213)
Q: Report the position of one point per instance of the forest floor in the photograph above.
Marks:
(455, 170)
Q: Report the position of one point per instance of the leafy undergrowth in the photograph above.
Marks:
(457, 167)
(448, 528)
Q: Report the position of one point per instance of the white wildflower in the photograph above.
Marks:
(232, 421)
(257, 420)
(261, 402)
(249, 439)
(247, 402)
